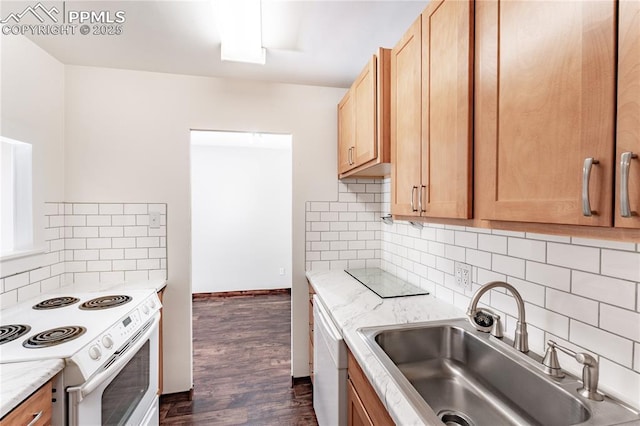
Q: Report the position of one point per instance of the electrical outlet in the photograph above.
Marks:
(463, 274)
(154, 220)
(281, 271)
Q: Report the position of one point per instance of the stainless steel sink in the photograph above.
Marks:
(471, 378)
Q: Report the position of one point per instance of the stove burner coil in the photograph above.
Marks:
(54, 336)
(105, 302)
(12, 332)
(56, 302)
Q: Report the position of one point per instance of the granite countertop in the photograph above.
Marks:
(352, 306)
(20, 379)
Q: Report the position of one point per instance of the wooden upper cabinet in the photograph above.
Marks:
(431, 84)
(363, 122)
(447, 96)
(545, 102)
(346, 131)
(406, 144)
(628, 128)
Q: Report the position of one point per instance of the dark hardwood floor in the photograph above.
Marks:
(242, 366)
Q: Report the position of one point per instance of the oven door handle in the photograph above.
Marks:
(88, 387)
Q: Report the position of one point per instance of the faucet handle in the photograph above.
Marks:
(550, 361)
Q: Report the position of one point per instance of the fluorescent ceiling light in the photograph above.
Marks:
(240, 24)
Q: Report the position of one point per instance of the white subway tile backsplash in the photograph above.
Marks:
(582, 309)
(620, 382)
(28, 291)
(466, 239)
(620, 321)
(636, 356)
(508, 265)
(620, 264)
(111, 209)
(549, 275)
(546, 320)
(136, 253)
(16, 281)
(527, 249)
(82, 208)
(85, 232)
(575, 257)
(492, 243)
(616, 245)
(86, 254)
(127, 242)
(111, 231)
(124, 265)
(98, 265)
(112, 277)
(608, 290)
(136, 209)
(75, 220)
(123, 220)
(602, 342)
(135, 231)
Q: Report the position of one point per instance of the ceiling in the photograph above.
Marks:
(319, 42)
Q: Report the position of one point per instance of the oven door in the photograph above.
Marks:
(125, 392)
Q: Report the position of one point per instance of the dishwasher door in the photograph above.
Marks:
(330, 369)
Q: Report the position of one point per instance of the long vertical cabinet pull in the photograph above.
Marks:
(625, 162)
(413, 197)
(586, 177)
(422, 188)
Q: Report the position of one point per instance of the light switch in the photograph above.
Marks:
(154, 220)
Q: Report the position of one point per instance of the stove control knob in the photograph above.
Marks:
(152, 304)
(145, 309)
(94, 352)
(107, 341)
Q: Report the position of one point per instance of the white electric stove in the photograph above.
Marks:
(109, 342)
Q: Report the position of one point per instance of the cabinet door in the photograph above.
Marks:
(447, 29)
(366, 135)
(628, 138)
(346, 132)
(35, 410)
(405, 122)
(545, 102)
(356, 413)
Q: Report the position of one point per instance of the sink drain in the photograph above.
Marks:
(453, 418)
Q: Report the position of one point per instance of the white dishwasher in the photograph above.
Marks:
(329, 369)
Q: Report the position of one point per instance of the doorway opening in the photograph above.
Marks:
(241, 211)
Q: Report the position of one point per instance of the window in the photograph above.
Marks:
(16, 231)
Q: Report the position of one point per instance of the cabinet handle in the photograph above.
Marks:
(413, 196)
(420, 199)
(625, 161)
(586, 175)
(351, 156)
(36, 417)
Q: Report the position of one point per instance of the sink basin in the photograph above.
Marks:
(469, 378)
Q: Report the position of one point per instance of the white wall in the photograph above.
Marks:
(241, 215)
(127, 140)
(32, 110)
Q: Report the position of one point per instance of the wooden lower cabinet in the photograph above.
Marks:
(364, 406)
(34, 411)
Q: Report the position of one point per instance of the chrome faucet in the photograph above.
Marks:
(484, 319)
(589, 387)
